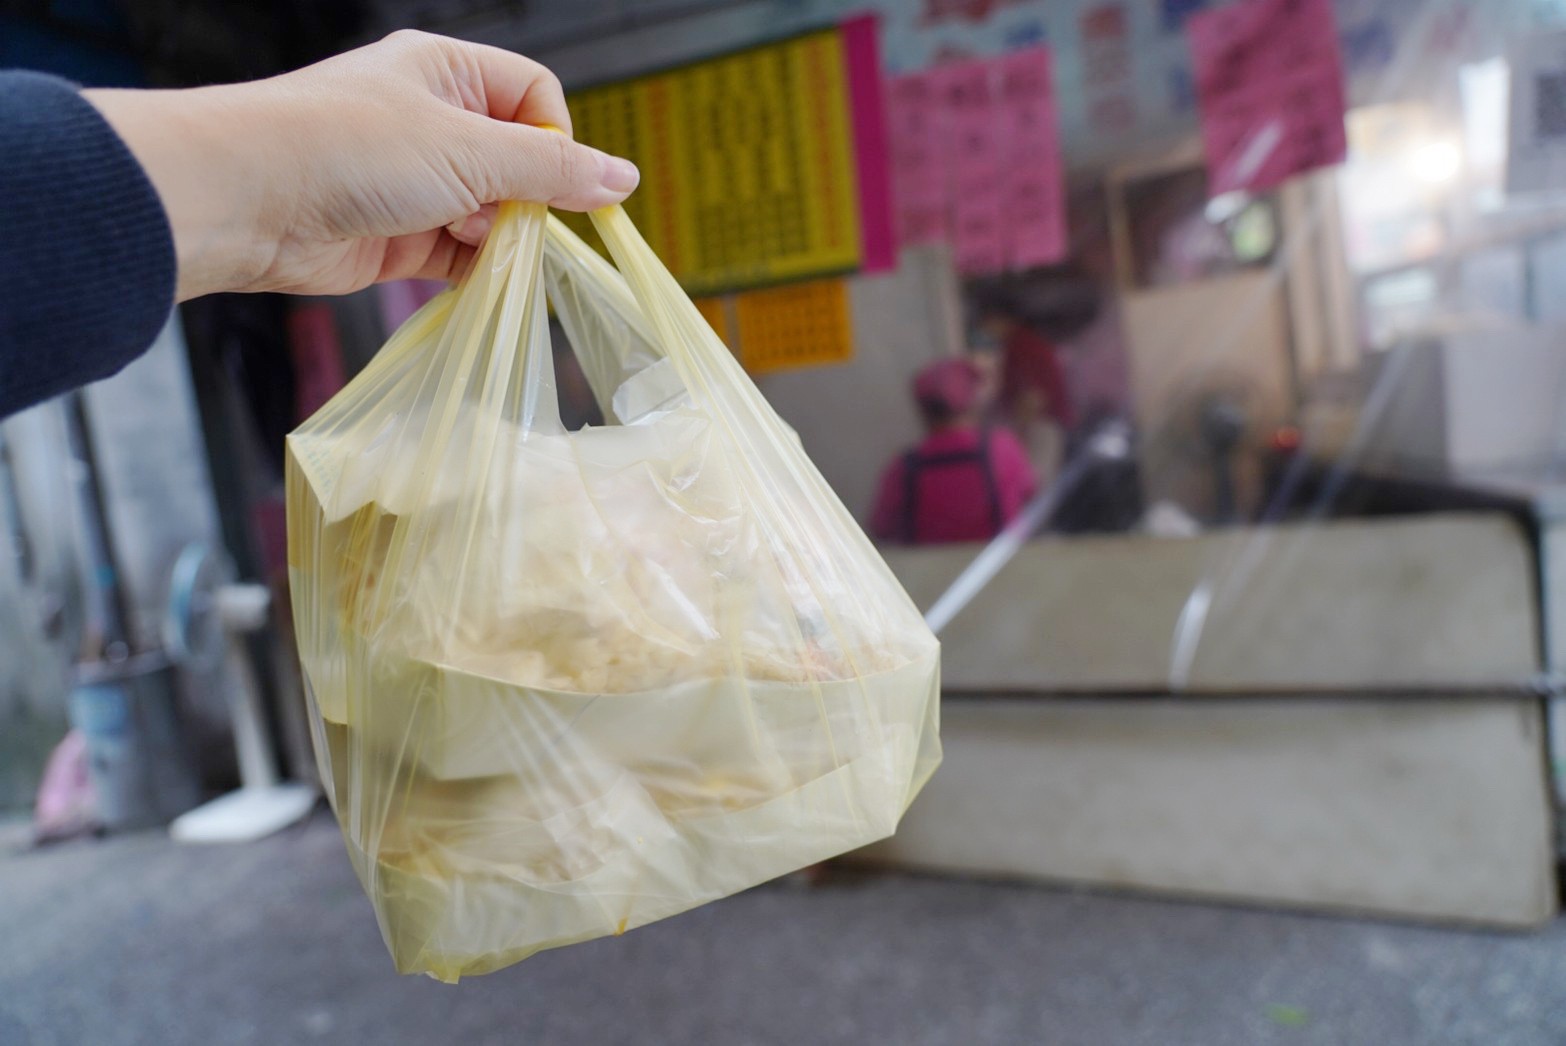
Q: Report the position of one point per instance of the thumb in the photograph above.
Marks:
(529, 163)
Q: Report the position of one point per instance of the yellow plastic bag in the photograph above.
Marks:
(567, 683)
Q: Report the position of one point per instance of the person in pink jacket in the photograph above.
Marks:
(964, 481)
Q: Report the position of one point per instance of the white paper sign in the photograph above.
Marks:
(1536, 156)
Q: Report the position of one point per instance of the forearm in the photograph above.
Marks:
(380, 164)
(214, 164)
(86, 262)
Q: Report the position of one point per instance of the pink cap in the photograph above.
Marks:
(953, 383)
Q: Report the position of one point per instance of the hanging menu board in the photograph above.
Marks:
(973, 129)
(801, 325)
(1269, 76)
(916, 127)
(976, 161)
(1035, 180)
(758, 167)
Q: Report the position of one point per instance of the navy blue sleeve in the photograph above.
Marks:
(86, 256)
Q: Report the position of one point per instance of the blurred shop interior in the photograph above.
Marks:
(1198, 365)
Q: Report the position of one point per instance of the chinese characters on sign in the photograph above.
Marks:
(976, 161)
(978, 193)
(1269, 77)
(917, 130)
(1108, 87)
(938, 11)
(800, 325)
(1035, 190)
(758, 167)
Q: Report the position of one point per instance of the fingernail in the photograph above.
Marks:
(616, 174)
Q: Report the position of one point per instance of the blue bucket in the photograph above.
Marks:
(140, 764)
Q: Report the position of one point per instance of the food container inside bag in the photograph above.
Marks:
(567, 683)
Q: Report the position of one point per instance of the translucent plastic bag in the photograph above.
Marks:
(567, 683)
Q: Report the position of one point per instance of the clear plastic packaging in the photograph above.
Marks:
(567, 683)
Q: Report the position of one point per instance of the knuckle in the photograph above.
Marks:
(475, 172)
(546, 79)
(408, 38)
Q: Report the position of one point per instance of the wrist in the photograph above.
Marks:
(213, 183)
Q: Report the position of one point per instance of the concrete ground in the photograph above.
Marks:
(137, 940)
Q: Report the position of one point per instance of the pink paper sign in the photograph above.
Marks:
(975, 154)
(920, 172)
(975, 137)
(1035, 182)
(1269, 77)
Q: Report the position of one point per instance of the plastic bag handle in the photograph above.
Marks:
(629, 346)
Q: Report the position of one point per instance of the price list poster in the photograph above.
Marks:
(758, 167)
(1269, 78)
(976, 161)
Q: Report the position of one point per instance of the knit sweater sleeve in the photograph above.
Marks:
(87, 258)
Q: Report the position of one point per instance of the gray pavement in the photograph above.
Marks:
(137, 940)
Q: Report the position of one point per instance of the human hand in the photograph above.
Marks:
(379, 164)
